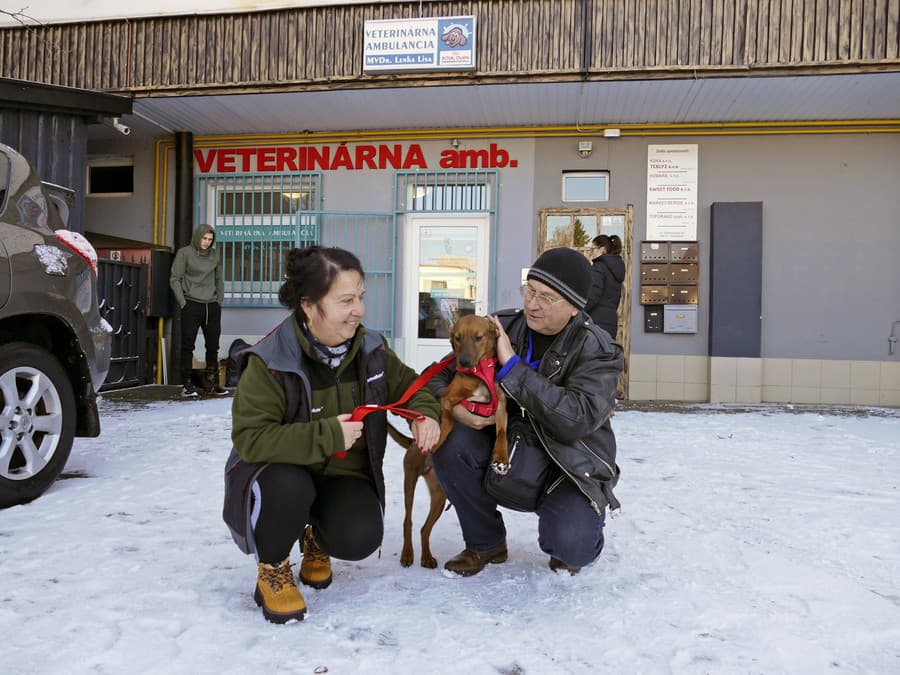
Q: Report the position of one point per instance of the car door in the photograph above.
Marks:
(4, 227)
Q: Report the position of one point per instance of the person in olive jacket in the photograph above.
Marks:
(559, 372)
(300, 468)
(196, 281)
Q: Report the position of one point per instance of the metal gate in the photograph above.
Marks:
(253, 257)
(259, 218)
(122, 291)
(373, 238)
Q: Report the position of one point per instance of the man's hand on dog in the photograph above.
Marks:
(470, 419)
(426, 433)
(504, 346)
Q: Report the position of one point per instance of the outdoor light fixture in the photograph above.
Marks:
(584, 148)
(612, 133)
(454, 142)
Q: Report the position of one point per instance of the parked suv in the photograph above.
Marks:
(54, 346)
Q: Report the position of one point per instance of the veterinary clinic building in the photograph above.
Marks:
(747, 152)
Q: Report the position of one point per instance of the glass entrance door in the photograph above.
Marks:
(446, 275)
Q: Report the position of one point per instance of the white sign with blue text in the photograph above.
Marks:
(394, 45)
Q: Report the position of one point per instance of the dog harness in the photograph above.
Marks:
(484, 371)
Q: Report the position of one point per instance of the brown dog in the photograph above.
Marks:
(416, 464)
(474, 339)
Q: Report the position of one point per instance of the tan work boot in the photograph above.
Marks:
(277, 594)
(315, 569)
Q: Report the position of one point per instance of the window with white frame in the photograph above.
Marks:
(585, 186)
(110, 177)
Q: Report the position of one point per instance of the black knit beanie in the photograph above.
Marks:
(566, 271)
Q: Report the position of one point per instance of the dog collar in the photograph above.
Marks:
(484, 371)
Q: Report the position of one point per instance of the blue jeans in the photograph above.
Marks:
(568, 527)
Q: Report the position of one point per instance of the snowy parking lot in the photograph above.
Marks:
(760, 540)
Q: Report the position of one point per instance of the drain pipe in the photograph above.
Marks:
(183, 232)
(893, 339)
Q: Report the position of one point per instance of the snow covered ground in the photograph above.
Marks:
(763, 541)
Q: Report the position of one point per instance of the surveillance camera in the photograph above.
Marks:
(121, 128)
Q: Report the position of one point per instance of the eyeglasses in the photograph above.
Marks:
(543, 300)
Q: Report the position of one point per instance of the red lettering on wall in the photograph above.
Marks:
(415, 157)
(205, 163)
(225, 161)
(245, 154)
(318, 157)
(333, 158)
(388, 156)
(342, 158)
(473, 159)
(265, 160)
(287, 159)
(365, 156)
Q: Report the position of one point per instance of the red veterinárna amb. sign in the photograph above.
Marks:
(357, 157)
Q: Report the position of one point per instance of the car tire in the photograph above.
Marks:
(37, 421)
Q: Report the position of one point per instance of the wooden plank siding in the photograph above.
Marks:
(518, 40)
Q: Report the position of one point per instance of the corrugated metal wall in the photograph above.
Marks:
(517, 39)
(56, 145)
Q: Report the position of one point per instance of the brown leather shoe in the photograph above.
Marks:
(559, 566)
(469, 562)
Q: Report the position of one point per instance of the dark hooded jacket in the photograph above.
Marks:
(569, 400)
(196, 274)
(607, 275)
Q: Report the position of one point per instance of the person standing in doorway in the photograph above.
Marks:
(196, 280)
(607, 275)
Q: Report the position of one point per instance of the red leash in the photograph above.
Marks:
(362, 410)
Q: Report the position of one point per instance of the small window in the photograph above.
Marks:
(110, 177)
(585, 186)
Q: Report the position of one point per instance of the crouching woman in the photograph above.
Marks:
(300, 469)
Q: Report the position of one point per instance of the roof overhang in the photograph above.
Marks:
(68, 100)
(566, 105)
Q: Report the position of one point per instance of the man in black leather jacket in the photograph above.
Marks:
(559, 370)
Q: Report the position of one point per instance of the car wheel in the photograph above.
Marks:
(37, 421)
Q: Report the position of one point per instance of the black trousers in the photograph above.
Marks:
(205, 316)
(345, 513)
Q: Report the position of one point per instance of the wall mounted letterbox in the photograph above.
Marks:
(680, 319)
(683, 295)
(684, 251)
(654, 251)
(653, 318)
(654, 295)
(654, 273)
(683, 273)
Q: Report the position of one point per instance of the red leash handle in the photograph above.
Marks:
(360, 411)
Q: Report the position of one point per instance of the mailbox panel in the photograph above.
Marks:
(684, 251)
(654, 295)
(654, 273)
(683, 295)
(654, 251)
(684, 273)
(680, 319)
(653, 318)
